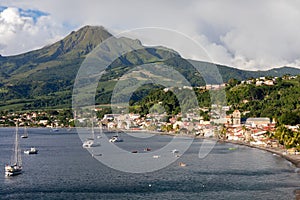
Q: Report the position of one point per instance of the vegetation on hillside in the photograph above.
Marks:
(44, 78)
(280, 101)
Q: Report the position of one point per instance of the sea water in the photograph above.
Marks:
(64, 170)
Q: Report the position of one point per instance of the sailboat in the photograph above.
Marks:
(90, 142)
(25, 134)
(15, 167)
(115, 138)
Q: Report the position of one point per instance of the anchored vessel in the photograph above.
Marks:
(15, 166)
(115, 139)
(91, 142)
(25, 135)
(32, 150)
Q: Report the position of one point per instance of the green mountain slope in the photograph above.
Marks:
(45, 77)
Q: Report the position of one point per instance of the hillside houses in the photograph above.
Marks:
(261, 81)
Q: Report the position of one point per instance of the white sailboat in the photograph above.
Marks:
(115, 138)
(90, 142)
(15, 166)
(25, 134)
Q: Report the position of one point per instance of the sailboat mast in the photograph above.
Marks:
(25, 131)
(19, 160)
(17, 153)
(93, 132)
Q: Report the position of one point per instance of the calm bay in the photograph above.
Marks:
(64, 170)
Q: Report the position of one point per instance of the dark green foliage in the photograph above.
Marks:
(44, 78)
(280, 101)
(106, 110)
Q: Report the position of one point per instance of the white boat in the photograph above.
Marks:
(90, 142)
(115, 139)
(25, 134)
(175, 151)
(15, 166)
(32, 150)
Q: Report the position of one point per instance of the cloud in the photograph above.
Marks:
(23, 30)
(244, 34)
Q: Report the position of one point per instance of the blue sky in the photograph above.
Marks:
(244, 34)
(35, 14)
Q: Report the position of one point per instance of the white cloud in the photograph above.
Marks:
(20, 33)
(245, 34)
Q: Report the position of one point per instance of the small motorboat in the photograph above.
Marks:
(175, 151)
(182, 164)
(32, 150)
(147, 149)
(134, 151)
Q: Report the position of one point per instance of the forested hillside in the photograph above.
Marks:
(280, 101)
(44, 78)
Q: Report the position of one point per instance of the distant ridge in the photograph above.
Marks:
(44, 78)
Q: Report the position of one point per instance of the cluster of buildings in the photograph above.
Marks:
(266, 81)
(261, 81)
(253, 131)
(42, 119)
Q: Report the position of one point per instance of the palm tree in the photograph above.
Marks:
(223, 131)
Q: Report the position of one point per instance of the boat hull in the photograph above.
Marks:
(13, 170)
(30, 152)
(15, 173)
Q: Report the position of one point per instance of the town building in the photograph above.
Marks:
(259, 121)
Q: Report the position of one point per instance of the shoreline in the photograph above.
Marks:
(294, 159)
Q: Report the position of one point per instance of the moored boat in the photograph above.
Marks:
(91, 142)
(88, 143)
(175, 151)
(15, 168)
(147, 149)
(32, 150)
(25, 134)
(115, 139)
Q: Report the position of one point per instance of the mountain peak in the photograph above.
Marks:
(81, 42)
(90, 28)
